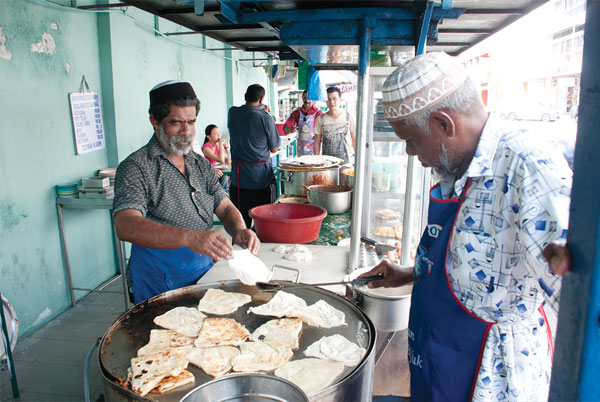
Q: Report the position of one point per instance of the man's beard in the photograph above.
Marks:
(170, 144)
(448, 168)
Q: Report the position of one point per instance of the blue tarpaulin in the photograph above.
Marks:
(316, 90)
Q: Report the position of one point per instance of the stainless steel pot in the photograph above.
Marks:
(335, 199)
(132, 329)
(388, 308)
(347, 179)
(295, 180)
(256, 387)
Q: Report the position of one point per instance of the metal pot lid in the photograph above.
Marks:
(310, 162)
(131, 330)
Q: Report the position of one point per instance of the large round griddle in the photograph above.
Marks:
(131, 330)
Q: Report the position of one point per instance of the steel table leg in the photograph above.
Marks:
(65, 253)
(383, 347)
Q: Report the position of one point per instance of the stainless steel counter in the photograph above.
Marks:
(328, 264)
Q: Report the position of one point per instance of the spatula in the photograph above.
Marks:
(380, 247)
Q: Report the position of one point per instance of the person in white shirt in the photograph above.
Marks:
(335, 130)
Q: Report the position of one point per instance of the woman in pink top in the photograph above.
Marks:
(215, 149)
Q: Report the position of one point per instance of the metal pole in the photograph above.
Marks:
(120, 261)
(65, 252)
(409, 210)
(361, 143)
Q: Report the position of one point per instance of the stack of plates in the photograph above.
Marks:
(108, 172)
(67, 190)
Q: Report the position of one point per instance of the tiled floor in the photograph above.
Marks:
(49, 362)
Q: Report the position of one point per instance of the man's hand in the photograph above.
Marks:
(219, 173)
(558, 256)
(246, 238)
(393, 275)
(210, 243)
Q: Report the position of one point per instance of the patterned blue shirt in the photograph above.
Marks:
(517, 203)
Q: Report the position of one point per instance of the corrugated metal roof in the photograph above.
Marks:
(287, 28)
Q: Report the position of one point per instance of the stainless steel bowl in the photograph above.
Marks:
(336, 199)
(253, 387)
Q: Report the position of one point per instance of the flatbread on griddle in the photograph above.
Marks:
(214, 361)
(283, 330)
(220, 332)
(170, 382)
(219, 302)
(311, 375)
(336, 348)
(183, 320)
(164, 339)
(321, 314)
(148, 371)
(261, 356)
(279, 306)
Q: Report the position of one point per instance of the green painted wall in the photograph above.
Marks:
(121, 58)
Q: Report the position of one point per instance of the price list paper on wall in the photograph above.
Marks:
(87, 121)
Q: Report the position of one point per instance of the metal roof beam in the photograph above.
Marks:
(335, 14)
(464, 31)
(488, 11)
(250, 39)
(385, 32)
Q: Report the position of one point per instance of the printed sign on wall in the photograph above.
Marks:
(87, 121)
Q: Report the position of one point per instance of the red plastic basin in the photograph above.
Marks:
(288, 223)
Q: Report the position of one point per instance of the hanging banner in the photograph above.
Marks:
(87, 121)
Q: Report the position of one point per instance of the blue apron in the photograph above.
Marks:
(154, 271)
(445, 341)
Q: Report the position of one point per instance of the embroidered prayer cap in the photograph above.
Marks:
(169, 90)
(420, 83)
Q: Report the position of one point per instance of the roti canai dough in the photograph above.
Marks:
(311, 375)
(249, 268)
(221, 331)
(336, 348)
(170, 382)
(219, 302)
(214, 361)
(280, 305)
(148, 371)
(294, 252)
(163, 339)
(321, 314)
(186, 321)
(283, 330)
(261, 356)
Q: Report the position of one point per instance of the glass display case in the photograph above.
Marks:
(394, 184)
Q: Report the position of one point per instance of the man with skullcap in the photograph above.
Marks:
(165, 197)
(477, 329)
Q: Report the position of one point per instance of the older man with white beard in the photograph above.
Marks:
(165, 197)
(481, 289)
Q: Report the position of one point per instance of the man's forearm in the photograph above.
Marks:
(138, 230)
(231, 218)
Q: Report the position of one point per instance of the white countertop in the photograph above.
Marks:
(328, 264)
